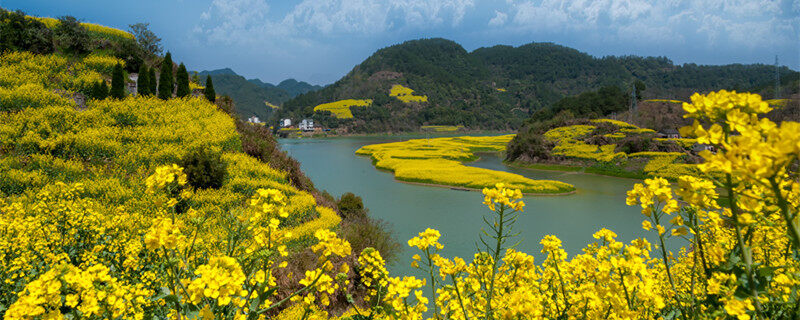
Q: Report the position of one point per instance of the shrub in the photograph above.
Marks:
(351, 206)
(204, 168)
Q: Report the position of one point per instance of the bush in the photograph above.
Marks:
(351, 206)
(367, 232)
(204, 168)
(529, 147)
(71, 36)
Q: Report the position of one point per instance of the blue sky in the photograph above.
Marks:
(320, 41)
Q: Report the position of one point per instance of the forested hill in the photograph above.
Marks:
(498, 87)
(251, 96)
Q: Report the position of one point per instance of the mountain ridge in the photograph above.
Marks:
(497, 87)
(250, 95)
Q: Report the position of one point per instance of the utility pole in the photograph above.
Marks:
(633, 103)
(777, 79)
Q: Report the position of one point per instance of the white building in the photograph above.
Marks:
(285, 123)
(254, 119)
(307, 125)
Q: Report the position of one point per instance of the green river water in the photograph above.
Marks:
(598, 203)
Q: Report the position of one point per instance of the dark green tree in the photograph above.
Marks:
(143, 83)
(182, 80)
(153, 81)
(118, 82)
(102, 90)
(95, 92)
(204, 168)
(165, 81)
(640, 86)
(17, 32)
(351, 206)
(71, 36)
(209, 91)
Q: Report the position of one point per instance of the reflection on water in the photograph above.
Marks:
(598, 203)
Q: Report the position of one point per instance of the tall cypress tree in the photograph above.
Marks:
(103, 92)
(182, 79)
(118, 83)
(209, 91)
(143, 83)
(153, 83)
(165, 81)
(95, 93)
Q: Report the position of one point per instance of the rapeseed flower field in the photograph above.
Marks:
(406, 94)
(442, 128)
(570, 144)
(439, 161)
(341, 108)
(99, 222)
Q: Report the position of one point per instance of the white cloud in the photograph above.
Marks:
(225, 20)
(745, 23)
(499, 19)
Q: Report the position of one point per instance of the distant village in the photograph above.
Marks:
(286, 127)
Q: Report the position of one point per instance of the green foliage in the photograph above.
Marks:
(590, 104)
(99, 90)
(204, 168)
(153, 83)
(18, 32)
(146, 39)
(182, 80)
(248, 95)
(165, 81)
(71, 37)
(351, 206)
(258, 142)
(118, 83)
(211, 95)
(143, 83)
(464, 88)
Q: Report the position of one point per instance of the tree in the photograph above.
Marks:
(148, 40)
(165, 81)
(153, 81)
(17, 32)
(351, 206)
(640, 86)
(209, 91)
(182, 79)
(118, 83)
(102, 90)
(204, 168)
(71, 36)
(143, 83)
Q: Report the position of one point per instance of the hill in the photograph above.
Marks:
(250, 95)
(98, 197)
(498, 87)
(291, 86)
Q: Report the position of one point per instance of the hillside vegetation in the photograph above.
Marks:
(252, 95)
(498, 87)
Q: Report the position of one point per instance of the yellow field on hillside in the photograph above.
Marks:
(569, 143)
(97, 187)
(91, 27)
(341, 108)
(406, 94)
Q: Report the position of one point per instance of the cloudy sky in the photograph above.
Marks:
(320, 41)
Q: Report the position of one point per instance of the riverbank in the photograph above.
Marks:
(578, 169)
(459, 188)
(413, 134)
